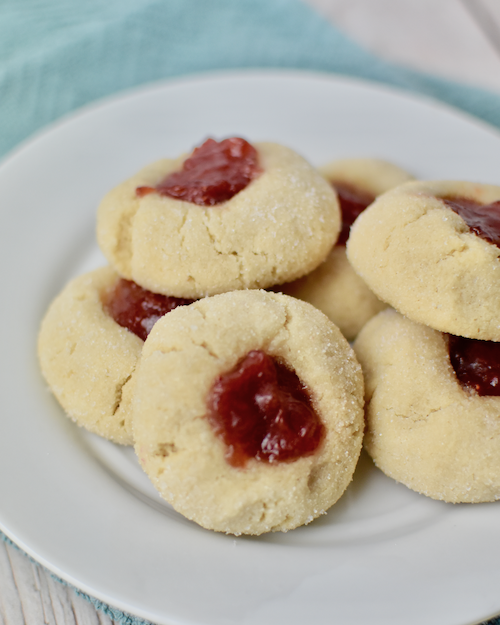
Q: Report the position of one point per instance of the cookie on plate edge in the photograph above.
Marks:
(288, 369)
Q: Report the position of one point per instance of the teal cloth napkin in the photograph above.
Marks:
(57, 55)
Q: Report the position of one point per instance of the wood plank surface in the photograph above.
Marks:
(29, 595)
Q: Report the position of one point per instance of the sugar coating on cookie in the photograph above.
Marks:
(183, 358)
(420, 256)
(424, 428)
(279, 227)
(334, 287)
(87, 359)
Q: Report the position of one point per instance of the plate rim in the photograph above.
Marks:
(147, 90)
(229, 74)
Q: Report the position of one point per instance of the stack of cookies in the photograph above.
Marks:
(334, 287)
(432, 362)
(244, 405)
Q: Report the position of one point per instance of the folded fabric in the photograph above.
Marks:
(58, 55)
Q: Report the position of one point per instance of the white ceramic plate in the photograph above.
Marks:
(82, 507)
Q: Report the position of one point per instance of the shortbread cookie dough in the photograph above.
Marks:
(279, 227)
(184, 357)
(334, 287)
(424, 428)
(88, 359)
(420, 256)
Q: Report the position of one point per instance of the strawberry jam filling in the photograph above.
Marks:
(482, 219)
(476, 364)
(137, 309)
(261, 410)
(353, 202)
(214, 173)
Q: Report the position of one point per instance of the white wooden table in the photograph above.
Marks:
(457, 39)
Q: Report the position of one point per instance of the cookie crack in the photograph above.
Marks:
(390, 235)
(123, 246)
(415, 417)
(288, 320)
(213, 239)
(454, 253)
(272, 269)
(204, 345)
(182, 230)
(119, 394)
(164, 450)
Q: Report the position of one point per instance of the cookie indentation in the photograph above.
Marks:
(261, 410)
(476, 364)
(138, 309)
(213, 174)
(483, 220)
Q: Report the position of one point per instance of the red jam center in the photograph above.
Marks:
(482, 219)
(261, 410)
(353, 202)
(214, 173)
(476, 364)
(137, 309)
